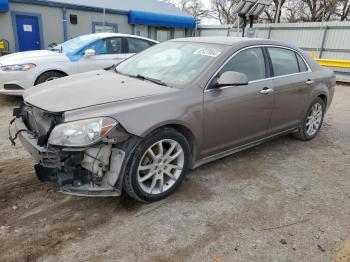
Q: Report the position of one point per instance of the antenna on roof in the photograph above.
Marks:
(250, 10)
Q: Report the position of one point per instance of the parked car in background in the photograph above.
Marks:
(22, 70)
(177, 105)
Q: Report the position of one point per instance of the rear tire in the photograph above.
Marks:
(312, 121)
(48, 76)
(158, 165)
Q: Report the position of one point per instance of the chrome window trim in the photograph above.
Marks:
(259, 80)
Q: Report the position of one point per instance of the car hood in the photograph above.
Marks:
(90, 89)
(29, 57)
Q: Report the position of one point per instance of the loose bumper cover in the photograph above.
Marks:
(81, 171)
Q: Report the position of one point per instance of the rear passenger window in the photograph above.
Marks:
(136, 45)
(302, 66)
(284, 61)
(250, 62)
(114, 45)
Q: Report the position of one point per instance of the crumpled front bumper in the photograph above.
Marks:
(45, 157)
(71, 170)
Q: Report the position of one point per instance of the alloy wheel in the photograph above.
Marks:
(314, 119)
(160, 166)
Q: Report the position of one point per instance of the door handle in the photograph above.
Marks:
(309, 82)
(266, 91)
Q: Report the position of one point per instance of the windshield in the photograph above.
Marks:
(75, 44)
(173, 63)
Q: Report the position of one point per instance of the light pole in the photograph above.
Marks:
(278, 11)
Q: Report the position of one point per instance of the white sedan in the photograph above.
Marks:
(23, 70)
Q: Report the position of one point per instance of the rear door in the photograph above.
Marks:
(237, 115)
(292, 80)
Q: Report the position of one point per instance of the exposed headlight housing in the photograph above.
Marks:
(18, 67)
(81, 133)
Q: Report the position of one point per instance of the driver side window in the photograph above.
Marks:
(106, 46)
(98, 46)
(250, 62)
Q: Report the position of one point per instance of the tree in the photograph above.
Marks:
(222, 10)
(317, 10)
(292, 11)
(343, 10)
(193, 7)
(271, 12)
(309, 10)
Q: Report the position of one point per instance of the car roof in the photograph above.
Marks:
(231, 41)
(106, 35)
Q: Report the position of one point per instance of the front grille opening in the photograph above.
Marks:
(40, 122)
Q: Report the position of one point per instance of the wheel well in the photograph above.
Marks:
(324, 98)
(57, 71)
(188, 134)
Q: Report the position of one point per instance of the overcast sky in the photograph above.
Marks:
(208, 21)
(206, 2)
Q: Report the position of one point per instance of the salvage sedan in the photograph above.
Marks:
(141, 125)
(23, 70)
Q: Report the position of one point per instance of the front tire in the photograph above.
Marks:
(313, 121)
(48, 76)
(158, 165)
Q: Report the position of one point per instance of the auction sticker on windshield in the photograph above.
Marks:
(206, 52)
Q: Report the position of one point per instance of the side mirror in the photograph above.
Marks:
(89, 52)
(231, 78)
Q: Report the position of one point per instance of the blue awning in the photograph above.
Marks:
(155, 19)
(4, 5)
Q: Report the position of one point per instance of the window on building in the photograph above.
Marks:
(163, 35)
(141, 30)
(250, 62)
(73, 19)
(99, 27)
(284, 61)
(179, 33)
(136, 45)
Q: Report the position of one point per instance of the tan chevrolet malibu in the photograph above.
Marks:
(141, 125)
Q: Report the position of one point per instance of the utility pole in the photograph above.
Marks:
(238, 21)
(278, 11)
(104, 18)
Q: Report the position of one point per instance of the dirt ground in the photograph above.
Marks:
(285, 200)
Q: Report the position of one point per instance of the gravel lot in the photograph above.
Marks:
(285, 200)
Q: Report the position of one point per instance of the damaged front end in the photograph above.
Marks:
(83, 157)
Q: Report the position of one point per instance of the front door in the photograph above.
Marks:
(237, 115)
(108, 52)
(28, 32)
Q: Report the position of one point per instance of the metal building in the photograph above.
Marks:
(35, 24)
